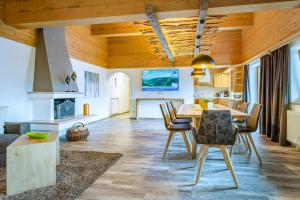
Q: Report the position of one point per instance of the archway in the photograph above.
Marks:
(119, 93)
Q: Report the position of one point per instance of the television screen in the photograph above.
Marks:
(160, 80)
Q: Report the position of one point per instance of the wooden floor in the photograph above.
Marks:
(142, 174)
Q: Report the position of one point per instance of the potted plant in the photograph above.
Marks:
(205, 103)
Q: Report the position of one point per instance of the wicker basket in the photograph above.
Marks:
(78, 132)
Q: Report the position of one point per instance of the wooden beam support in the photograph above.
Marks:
(200, 25)
(37, 14)
(156, 27)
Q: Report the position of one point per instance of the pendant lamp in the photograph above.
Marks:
(203, 61)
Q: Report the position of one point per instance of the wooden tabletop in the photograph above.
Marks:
(195, 110)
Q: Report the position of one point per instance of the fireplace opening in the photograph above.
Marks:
(64, 108)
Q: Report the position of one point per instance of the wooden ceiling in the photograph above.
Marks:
(131, 41)
(180, 32)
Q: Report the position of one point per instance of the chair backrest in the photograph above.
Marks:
(255, 113)
(165, 115)
(173, 106)
(171, 111)
(233, 104)
(244, 107)
(216, 128)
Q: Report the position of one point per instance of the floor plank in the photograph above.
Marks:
(142, 174)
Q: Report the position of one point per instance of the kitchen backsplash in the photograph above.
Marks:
(207, 92)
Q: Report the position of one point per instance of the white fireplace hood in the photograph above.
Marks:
(52, 62)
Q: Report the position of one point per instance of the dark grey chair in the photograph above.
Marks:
(173, 117)
(175, 128)
(216, 130)
(250, 127)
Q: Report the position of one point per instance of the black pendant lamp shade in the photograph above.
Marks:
(203, 61)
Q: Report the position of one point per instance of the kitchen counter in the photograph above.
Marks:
(227, 98)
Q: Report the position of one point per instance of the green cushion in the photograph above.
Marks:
(37, 135)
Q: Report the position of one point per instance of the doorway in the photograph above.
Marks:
(119, 93)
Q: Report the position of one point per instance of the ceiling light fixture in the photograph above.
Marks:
(203, 61)
(198, 72)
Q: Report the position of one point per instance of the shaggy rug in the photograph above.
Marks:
(76, 172)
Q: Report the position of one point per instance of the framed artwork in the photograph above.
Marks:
(91, 84)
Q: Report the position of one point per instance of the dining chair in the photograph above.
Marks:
(175, 111)
(243, 108)
(215, 130)
(233, 104)
(173, 117)
(175, 128)
(250, 127)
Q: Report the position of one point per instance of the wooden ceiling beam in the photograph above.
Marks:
(37, 13)
(157, 29)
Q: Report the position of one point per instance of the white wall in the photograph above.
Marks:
(16, 79)
(17, 71)
(186, 90)
(98, 105)
(118, 84)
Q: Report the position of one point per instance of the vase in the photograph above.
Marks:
(86, 109)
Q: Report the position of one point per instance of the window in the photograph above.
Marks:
(254, 76)
(294, 75)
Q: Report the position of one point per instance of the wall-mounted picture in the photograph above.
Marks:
(160, 80)
(91, 84)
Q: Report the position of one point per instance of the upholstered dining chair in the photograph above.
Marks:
(175, 128)
(215, 130)
(173, 117)
(250, 127)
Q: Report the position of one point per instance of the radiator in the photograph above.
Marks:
(293, 127)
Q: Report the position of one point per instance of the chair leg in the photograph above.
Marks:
(254, 147)
(232, 150)
(239, 138)
(203, 153)
(171, 134)
(199, 156)
(244, 141)
(186, 142)
(229, 164)
(248, 144)
(194, 148)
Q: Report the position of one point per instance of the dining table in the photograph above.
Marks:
(194, 111)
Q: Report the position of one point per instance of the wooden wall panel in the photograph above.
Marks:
(270, 28)
(85, 47)
(2, 10)
(135, 51)
(226, 50)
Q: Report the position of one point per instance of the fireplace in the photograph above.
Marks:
(64, 108)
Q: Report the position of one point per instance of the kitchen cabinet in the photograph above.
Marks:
(222, 80)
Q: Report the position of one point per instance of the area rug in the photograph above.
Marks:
(76, 172)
